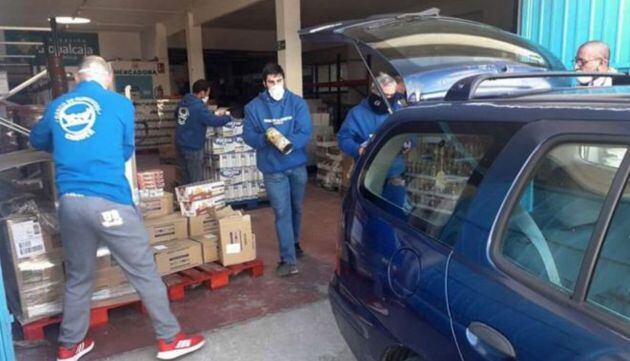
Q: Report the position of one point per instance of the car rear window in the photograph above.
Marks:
(425, 177)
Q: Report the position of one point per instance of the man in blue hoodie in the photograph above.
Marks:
(285, 174)
(363, 121)
(90, 132)
(193, 118)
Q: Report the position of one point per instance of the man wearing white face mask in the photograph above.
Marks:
(193, 118)
(593, 57)
(279, 112)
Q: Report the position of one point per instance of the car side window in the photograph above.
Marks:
(421, 177)
(549, 229)
(610, 286)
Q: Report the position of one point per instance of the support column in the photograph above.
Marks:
(289, 44)
(194, 48)
(161, 52)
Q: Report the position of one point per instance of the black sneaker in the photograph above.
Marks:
(286, 270)
(299, 252)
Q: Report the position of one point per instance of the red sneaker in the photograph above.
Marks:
(182, 344)
(75, 352)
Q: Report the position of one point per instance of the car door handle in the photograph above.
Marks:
(489, 343)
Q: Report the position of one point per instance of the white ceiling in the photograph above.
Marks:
(134, 15)
(122, 15)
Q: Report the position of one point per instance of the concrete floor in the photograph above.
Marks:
(308, 333)
(244, 299)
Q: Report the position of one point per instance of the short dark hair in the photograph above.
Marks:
(272, 69)
(200, 85)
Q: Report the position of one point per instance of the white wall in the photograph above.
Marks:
(123, 45)
(230, 39)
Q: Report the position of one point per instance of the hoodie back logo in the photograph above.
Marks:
(182, 115)
(77, 116)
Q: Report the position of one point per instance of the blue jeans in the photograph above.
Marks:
(191, 164)
(286, 195)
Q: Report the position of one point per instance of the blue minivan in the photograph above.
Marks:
(513, 239)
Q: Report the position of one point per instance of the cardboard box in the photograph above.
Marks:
(204, 224)
(165, 229)
(236, 239)
(35, 271)
(38, 302)
(202, 206)
(157, 207)
(199, 190)
(151, 179)
(103, 258)
(32, 268)
(28, 239)
(109, 278)
(209, 247)
(171, 257)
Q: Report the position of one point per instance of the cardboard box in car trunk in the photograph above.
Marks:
(209, 247)
(171, 257)
(157, 207)
(204, 224)
(236, 240)
(165, 229)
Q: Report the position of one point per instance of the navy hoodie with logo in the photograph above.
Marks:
(361, 123)
(291, 117)
(90, 133)
(193, 118)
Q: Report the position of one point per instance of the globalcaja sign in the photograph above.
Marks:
(72, 46)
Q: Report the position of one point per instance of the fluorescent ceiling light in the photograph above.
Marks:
(71, 20)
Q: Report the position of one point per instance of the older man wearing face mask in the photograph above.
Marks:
(275, 114)
(593, 57)
(365, 119)
(193, 118)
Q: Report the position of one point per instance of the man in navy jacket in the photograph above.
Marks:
(193, 118)
(285, 175)
(90, 132)
(363, 121)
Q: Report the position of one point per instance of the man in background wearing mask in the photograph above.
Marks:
(193, 118)
(277, 110)
(90, 133)
(363, 121)
(593, 57)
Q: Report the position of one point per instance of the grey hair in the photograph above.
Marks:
(601, 46)
(384, 80)
(94, 68)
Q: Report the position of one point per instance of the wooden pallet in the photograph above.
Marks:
(99, 316)
(210, 275)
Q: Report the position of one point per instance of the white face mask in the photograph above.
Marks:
(205, 99)
(277, 92)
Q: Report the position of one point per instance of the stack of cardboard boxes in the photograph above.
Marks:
(155, 122)
(223, 234)
(321, 125)
(329, 160)
(34, 269)
(231, 161)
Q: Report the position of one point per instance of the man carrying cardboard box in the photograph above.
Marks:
(90, 132)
